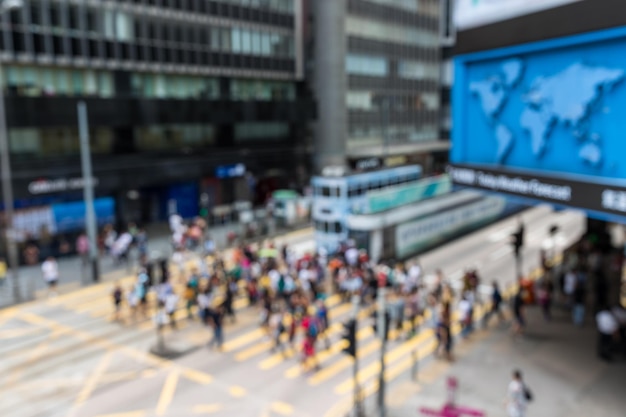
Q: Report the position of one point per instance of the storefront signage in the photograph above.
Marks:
(367, 164)
(413, 236)
(230, 171)
(46, 186)
(394, 161)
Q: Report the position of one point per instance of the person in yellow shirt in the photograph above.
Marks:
(3, 271)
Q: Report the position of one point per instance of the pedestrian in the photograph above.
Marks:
(50, 271)
(82, 248)
(544, 296)
(171, 301)
(217, 318)
(444, 334)
(578, 300)
(496, 303)
(3, 272)
(231, 291)
(518, 313)
(465, 315)
(608, 333)
(117, 295)
(518, 396)
(278, 328)
(321, 317)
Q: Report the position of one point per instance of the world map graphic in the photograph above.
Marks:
(568, 98)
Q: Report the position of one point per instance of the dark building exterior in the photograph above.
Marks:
(181, 95)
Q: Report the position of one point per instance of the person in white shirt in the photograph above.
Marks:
(352, 256)
(414, 275)
(608, 333)
(50, 271)
(517, 396)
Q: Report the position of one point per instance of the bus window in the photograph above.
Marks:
(336, 227)
(353, 192)
(326, 192)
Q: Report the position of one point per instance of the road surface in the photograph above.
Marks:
(66, 357)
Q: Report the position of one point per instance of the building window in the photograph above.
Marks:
(367, 65)
(174, 137)
(390, 32)
(416, 70)
(261, 131)
(174, 86)
(261, 90)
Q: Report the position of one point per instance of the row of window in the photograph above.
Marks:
(427, 7)
(174, 86)
(173, 137)
(40, 81)
(375, 135)
(366, 100)
(238, 40)
(280, 6)
(379, 66)
(329, 227)
(50, 81)
(366, 28)
(50, 142)
(391, 182)
(57, 141)
(261, 90)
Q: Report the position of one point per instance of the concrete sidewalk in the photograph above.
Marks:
(558, 362)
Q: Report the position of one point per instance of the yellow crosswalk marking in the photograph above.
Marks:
(207, 408)
(281, 408)
(243, 340)
(345, 362)
(237, 391)
(257, 349)
(296, 371)
(390, 357)
(12, 333)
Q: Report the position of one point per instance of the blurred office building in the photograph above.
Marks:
(376, 70)
(191, 103)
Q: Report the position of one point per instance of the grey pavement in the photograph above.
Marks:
(558, 361)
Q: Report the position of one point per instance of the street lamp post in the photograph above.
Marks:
(7, 182)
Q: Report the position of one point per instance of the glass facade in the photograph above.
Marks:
(123, 50)
(261, 90)
(149, 85)
(52, 142)
(174, 137)
(37, 81)
(393, 70)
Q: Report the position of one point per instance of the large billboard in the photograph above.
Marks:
(472, 13)
(545, 120)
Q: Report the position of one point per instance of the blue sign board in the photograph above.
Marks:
(545, 120)
(230, 171)
(70, 217)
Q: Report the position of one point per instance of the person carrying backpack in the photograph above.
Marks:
(518, 396)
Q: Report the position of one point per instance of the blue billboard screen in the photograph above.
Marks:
(553, 109)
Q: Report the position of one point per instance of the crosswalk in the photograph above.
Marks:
(252, 347)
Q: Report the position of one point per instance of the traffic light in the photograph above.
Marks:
(349, 335)
(517, 240)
